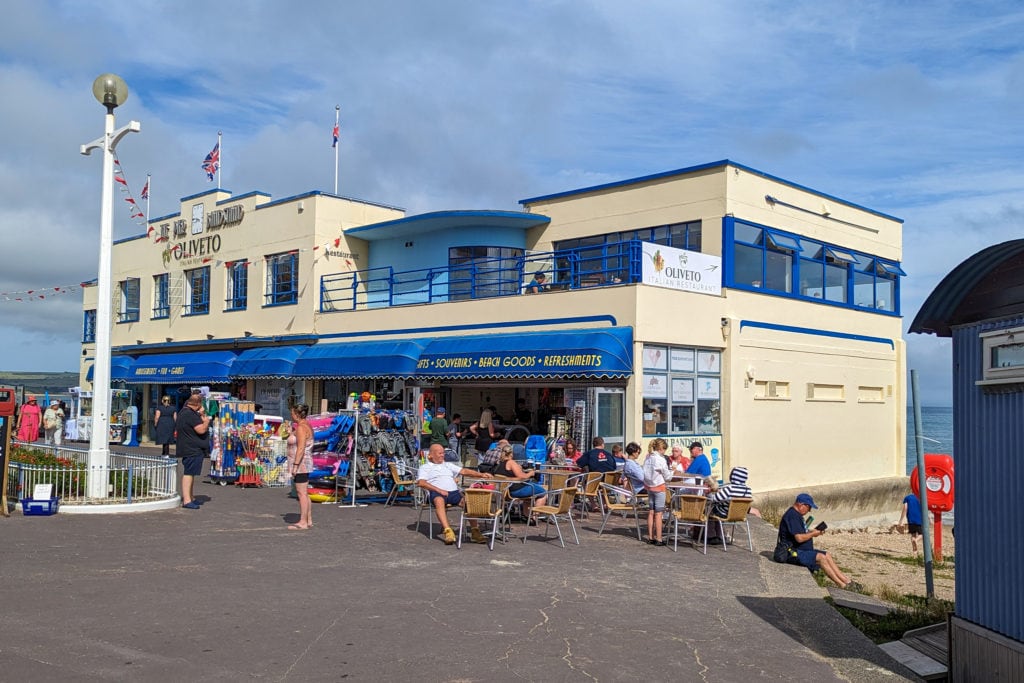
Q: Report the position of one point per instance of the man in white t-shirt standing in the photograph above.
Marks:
(437, 478)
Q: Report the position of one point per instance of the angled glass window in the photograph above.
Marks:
(775, 240)
(161, 306)
(197, 291)
(129, 292)
(885, 268)
(237, 286)
(282, 279)
(837, 255)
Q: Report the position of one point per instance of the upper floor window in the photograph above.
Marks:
(875, 283)
(679, 235)
(129, 293)
(282, 278)
(161, 304)
(605, 259)
(476, 272)
(237, 286)
(89, 327)
(197, 291)
(770, 259)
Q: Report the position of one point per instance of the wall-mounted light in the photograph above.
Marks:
(248, 333)
(169, 339)
(138, 341)
(301, 206)
(209, 336)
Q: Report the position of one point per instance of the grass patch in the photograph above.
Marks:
(918, 561)
(912, 611)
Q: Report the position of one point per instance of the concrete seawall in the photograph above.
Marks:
(872, 502)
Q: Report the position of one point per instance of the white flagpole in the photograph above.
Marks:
(220, 164)
(337, 120)
(149, 191)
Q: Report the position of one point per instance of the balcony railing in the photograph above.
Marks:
(579, 268)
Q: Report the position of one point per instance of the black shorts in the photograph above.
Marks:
(301, 478)
(914, 529)
(193, 465)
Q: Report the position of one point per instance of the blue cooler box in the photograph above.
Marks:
(32, 507)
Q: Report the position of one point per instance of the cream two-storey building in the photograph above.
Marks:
(713, 303)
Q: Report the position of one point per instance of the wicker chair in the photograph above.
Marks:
(552, 513)
(690, 511)
(737, 514)
(610, 507)
(483, 505)
(398, 483)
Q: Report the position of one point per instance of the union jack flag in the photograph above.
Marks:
(212, 162)
(335, 143)
(145, 190)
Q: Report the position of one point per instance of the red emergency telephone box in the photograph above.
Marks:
(939, 479)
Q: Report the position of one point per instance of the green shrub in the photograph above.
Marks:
(70, 483)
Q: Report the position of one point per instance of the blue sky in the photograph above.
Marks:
(909, 109)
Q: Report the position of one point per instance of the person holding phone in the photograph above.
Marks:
(796, 544)
(193, 444)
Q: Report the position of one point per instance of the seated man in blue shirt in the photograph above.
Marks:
(699, 463)
(796, 544)
(538, 284)
(597, 459)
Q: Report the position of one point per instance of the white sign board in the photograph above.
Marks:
(689, 271)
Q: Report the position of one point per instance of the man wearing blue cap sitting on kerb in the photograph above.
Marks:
(796, 544)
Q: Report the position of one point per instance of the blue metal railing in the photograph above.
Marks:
(578, 268)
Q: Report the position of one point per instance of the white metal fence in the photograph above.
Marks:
(130, 478)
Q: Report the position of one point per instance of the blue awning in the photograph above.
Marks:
(359, 359)
(119, 368)
(268, 362)
(585, 353)
(172, 368)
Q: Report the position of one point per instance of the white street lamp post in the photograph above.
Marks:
(111, 91)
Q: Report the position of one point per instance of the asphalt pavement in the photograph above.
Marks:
(228, 593)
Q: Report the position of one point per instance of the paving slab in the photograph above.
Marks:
(227, 592)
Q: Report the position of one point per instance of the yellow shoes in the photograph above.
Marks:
(449, 536)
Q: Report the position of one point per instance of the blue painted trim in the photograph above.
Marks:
(820, 333)
(704, 167)
(610, 319)
(164, 218)
(203, 194)
(284, 303)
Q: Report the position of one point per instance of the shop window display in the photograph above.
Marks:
(681, 390)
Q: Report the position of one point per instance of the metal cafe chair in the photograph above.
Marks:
(610, 507)
(552, 513)
(398, 483)
(689, 511)
(482, 505)
(737, 514)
